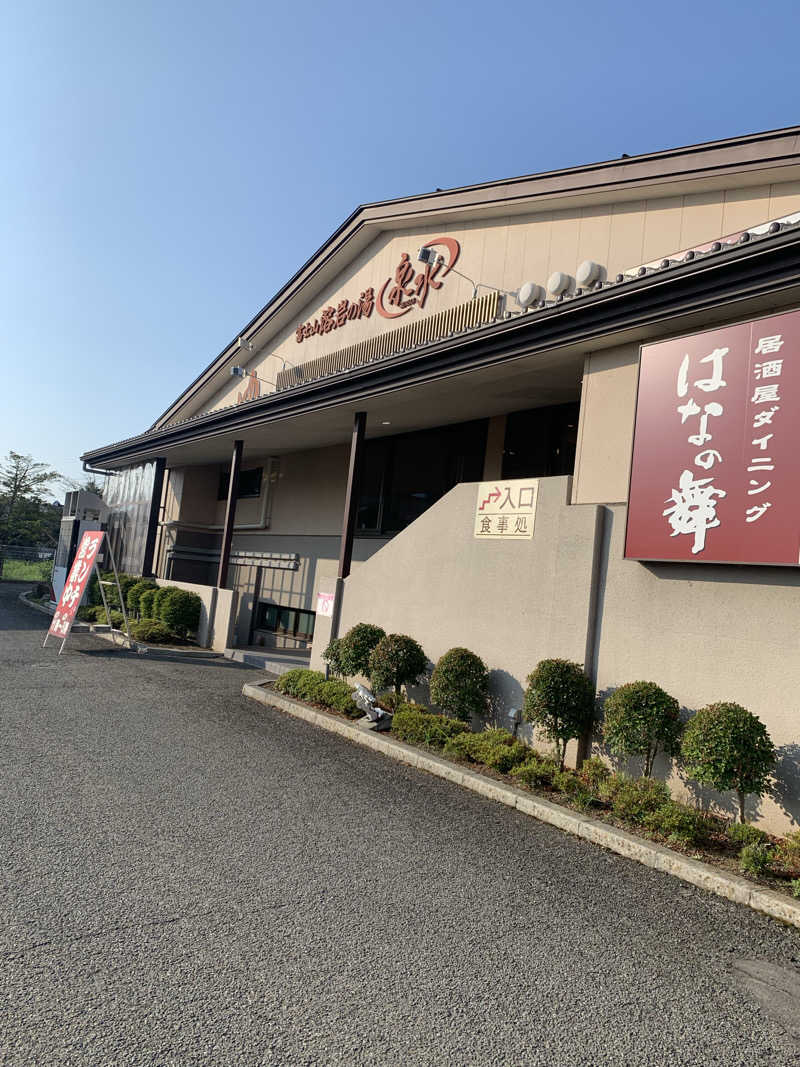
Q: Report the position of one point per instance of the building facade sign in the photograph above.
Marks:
(397, 296)
(506, 509)
(717, 447)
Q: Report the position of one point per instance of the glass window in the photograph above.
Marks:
(249, 484)
(541, 442)
(403, 475)
(288, 622)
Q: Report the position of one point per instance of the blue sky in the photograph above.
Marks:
(167, 166)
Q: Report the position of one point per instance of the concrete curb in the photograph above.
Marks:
(648, 853)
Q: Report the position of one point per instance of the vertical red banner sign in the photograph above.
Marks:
(714, 477)
(76, 583)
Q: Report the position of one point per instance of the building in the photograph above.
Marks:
(322, 469)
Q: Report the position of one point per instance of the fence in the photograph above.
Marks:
(26, 563)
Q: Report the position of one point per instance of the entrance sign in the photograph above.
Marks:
(717, 447)
(506, 509)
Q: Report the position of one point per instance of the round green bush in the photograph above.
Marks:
(135, 592)
(146, 609)
(395, 661)
(333, 657)
(727, 747)
(180, 611)
(151, 631)
(288, 682)
(680, 823)
(337, 695)
(640, 718)
(741, 834)
(357, 646)
(161, 595)
(560, 700)
(536, 772)
(460, 684)
(415, 725)
(117, 618)
(593, 772)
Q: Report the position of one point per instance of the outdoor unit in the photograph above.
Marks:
(82, 511)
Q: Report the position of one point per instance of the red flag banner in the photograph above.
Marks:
(716, 447)
(75, 585)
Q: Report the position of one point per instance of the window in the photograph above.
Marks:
(286, 622)
(249, 484)
(403, 475)
(540, 442)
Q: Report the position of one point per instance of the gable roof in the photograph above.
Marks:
(753, 159)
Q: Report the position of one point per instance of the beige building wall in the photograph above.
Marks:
(505, 252)
(708, 633)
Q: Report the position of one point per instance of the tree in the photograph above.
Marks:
(460, 684)
(727, 747)
(356, 648)
(396, 660)
(560, 699)
(25, 517)
(88, 485)
(640, 718)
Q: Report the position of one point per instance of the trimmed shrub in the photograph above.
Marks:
(161, 595)
(633, 799)
(288, 682)
(333, 657)
(417, 726)
(742, 833)
(788, 852)
(338, 695)
(135, 592)
(568, 783)
(395, 661)
(146, 609)
(117, 618)
(794, 885)
(756, 859)
(535, 772)
(560, 700)
(180, 611)
(87, 613)
(594, 772)
(680, 823)
(391, 701)
(151, 631)
(727, 747)
(357, 646)
(494, 748)
(640, 718)
(460, 684)
(126, 582)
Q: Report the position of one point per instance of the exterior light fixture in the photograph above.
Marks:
(529, 294)
(588, 273)
(238, 372)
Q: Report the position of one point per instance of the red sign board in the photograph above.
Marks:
(76, 583)
(717, 447)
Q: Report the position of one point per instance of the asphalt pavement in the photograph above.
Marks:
(191, 878)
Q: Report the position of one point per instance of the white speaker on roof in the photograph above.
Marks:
(588, 273)
(529, 293)
(558, 283)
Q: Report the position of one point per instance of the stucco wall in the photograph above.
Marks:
(512, 602)
(506, 252)
(708, 633)
(217, 613)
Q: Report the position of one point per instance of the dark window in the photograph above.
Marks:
(287, 622)
(540, 443)
(403, 475)
(249, 484)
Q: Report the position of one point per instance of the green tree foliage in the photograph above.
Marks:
(146, 599)
(356, 648)
(395, 661)
(134, 594)
(460, 684)
(333, 657)
(640, 718)
(727, 747)
(560, 700)
(26, 517)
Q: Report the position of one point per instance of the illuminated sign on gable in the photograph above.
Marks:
(408, 290)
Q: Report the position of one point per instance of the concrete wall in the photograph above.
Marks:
(704, 633)
(510, 250)
(708, 633)
(512, 602)
(217, 613)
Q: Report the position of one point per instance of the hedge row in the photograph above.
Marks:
(158, 614)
